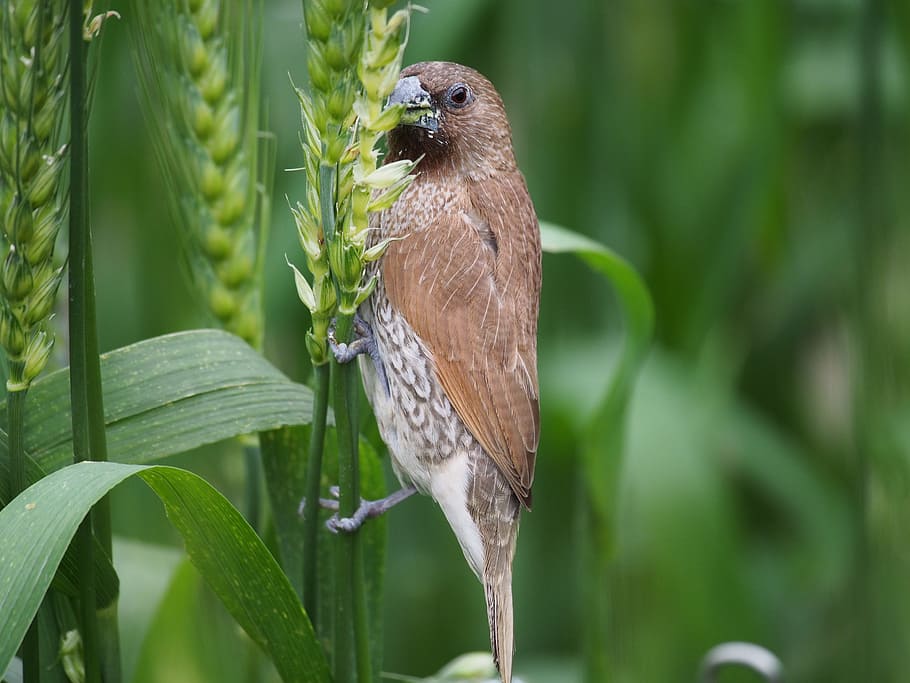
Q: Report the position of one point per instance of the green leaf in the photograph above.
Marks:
(38, 525)
(162, 396)
(638, 311)
(167, 395)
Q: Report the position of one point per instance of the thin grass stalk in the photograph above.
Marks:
(108, 619)
(346, 627)
(89, 440)
(311, 526)
(31, 656)
(361, 614)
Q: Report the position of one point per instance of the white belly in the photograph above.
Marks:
(428, 444)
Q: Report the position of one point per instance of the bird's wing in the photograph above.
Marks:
(468, 284)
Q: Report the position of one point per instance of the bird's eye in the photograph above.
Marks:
(459, 95)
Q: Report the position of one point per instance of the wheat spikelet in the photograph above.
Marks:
(353, 59)
(32, 179)
(199, 64)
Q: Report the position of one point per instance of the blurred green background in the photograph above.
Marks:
(751, 159)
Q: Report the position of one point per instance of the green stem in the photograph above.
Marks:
(313, 479)
(15, 403)
(361, 614)
(351, 586)
(89, 441)
(345, 625)
(94, 398)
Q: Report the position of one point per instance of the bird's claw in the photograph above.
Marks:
(366, 510)
(361, 328)
(363, 342)
(324, 503)
(347, 525)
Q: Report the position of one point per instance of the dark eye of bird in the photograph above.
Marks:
(459, 95)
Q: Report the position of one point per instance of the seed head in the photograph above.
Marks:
(200, 69)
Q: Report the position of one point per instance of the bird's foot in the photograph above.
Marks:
(324, 503)
(367, 510)
(363, 342)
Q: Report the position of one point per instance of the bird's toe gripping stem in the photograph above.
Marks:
(367, 510)
(364, 342)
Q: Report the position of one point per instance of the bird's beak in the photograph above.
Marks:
(419, 110)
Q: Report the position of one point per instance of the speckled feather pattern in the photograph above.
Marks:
(454, 316)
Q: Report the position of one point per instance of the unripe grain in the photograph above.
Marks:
(46, 180)
(208, 92)
(31, 168)
(12, 336)
(219, 242)
(20, 223)
(16, 276)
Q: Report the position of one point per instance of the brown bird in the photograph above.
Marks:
(454, 325)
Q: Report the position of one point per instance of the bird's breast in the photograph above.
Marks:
(415, 418)
(421, 206)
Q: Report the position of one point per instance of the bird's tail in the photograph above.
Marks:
(497, 586)
(495, 510)
(499, 531)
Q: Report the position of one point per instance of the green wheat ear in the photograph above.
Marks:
(199, 64)
(354, 53)
(33, 89)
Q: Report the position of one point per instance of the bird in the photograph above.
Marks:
(451, 326)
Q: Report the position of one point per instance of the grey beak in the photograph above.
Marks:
(419, 110)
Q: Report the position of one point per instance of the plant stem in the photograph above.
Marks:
(89, 441)
(351, 580)
(345, 625)
(361, 614)
(322, 375)
(15, 402)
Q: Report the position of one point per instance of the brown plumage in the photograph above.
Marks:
(454, 317)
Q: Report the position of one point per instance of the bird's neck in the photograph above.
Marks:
(474, 158)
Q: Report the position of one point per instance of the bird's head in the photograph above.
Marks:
(453, 117)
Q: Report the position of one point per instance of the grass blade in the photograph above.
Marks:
(168, 395)
(39, 524)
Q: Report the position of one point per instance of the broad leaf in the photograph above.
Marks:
(162, 396)
(167, 395)
(39, 524)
